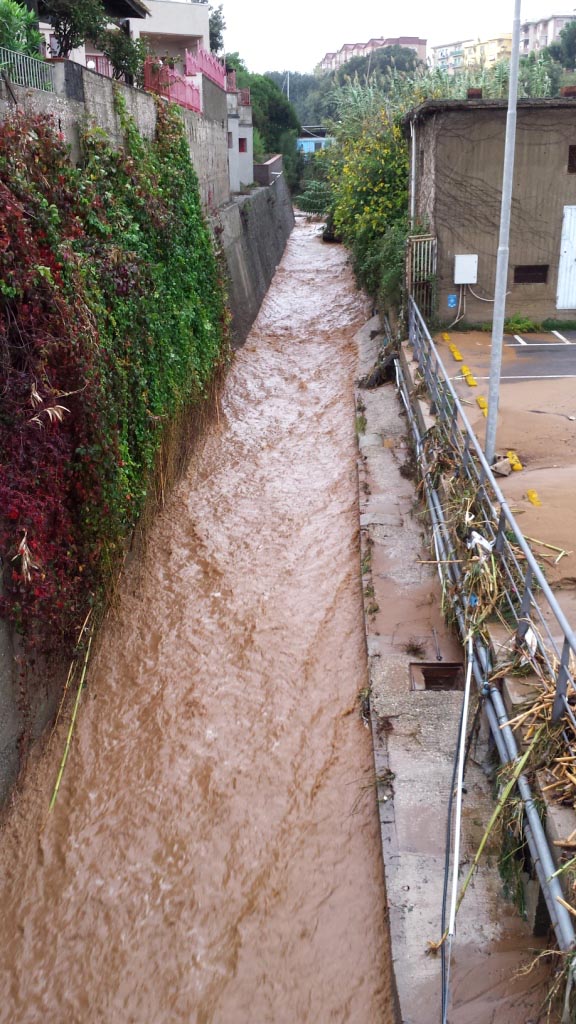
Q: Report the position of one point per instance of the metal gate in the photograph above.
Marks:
(421, 272)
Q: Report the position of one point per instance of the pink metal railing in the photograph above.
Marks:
(202, 62)
(231, 86)
(164, 81)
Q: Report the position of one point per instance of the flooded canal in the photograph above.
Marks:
(214, 851)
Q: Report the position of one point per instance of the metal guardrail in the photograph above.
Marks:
(27, 71)
(529, 600)
(528, 597)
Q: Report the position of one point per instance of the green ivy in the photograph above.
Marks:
(113, 309)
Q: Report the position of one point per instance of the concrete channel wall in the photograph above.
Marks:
(253, 230)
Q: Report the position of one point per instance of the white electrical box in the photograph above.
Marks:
(466, 269)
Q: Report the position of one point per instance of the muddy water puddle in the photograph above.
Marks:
(214, 852)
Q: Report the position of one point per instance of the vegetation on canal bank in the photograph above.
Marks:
(112, 322)
(360, 183)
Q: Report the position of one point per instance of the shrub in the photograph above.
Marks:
(18, 29)
(126, 55)
(316, 198)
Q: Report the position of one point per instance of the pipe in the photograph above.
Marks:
(560, 917)
(459, 785)
(413, 173)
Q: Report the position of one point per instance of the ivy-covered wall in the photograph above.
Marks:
(112, 322)
(81, 94)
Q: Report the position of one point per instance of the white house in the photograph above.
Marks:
(174, 26)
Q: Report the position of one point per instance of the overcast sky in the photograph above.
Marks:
(295, 35)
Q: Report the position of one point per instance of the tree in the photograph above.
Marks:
(73, 21)
(271, 112)
(315, 96)
(234, 62)
(568, 44)
(564, 51)
(217, 26)
(274, 118)
(126, 55)
(402, 58)
(554, 51)
(19, 28)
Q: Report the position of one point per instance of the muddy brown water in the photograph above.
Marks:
(214, 851)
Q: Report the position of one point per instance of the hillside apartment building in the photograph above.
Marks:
(535, 35)
(470, 53)
(332, 61)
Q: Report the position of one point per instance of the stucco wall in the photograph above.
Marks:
(266, 174)
(171, 23)
(233, 153)
(460, 155)
(213, 101)
(255, 229)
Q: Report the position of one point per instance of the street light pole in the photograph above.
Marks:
(503, 245)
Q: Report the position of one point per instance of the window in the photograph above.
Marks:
(571, 159)
(531, 274)
(242, 145)
(230, 140)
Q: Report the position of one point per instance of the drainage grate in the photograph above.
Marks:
(436, 675)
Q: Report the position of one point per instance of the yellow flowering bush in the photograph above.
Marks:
(370, 181)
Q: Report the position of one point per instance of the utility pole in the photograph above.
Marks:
(503, 245)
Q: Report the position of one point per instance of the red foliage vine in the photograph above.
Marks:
(49, 389)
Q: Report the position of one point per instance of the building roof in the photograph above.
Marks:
(126, 8)
(450, 46)
(547, 17)
(406, 39)
(431, 107)
(115, 8)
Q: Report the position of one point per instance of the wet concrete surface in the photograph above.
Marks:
(214, 853)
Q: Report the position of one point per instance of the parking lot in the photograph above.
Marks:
(537, 420)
